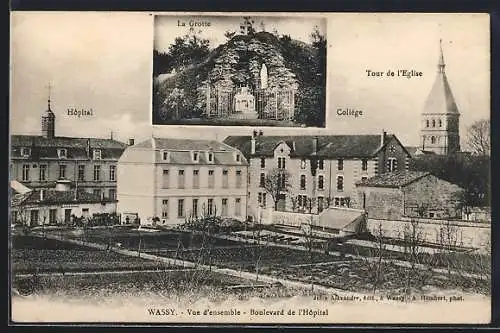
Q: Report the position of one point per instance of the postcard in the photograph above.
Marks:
(249, 168)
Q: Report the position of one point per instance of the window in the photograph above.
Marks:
(302, 182)
(97, 172)
(112, 173)
(180, 208)
(239, 179)
(164, 208)
(210, 157)
(364, 165)
(237, 207)
(363, 179)
(321, 164)
(165, 178)
(340, 164)
(43, 172)
(180, 179)
(53, 216)
(262, 199)
(282, 181)
(427, 123)
(224, 207)
(62, 171)
(34, 217)
(392, 164)
(302, 201)
(97, 192)
(62, 153)
(303, 163)
(321, 203)
(321, 183)
(196, 178)
(340, 183)
(112, 194)
(194, 210)
(433, 139)
(262, 163)
(440, 123)
(210, 206)
(97, 154)
(211, 178)
(225, 179)
(433, 123)
(195, 157)
(26, 172)
(81, 173)
(238, 158)
(262, 179)
(342, 201)
(25, 152)
(281, 163)
(164, 155)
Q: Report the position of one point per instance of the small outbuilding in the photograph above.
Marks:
(411, 194)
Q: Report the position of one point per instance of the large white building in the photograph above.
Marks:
(171, 180)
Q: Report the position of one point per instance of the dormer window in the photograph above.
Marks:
(25, 152)
(62, 153)
(97, 154)
(237, 157)
(210, 157)
(196, 156)
(165, 155)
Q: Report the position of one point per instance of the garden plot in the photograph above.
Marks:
(32, 254)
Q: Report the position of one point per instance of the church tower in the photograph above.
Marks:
(439, 128)
(48, 121)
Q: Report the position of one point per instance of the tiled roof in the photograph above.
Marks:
(60, 197)
(328, 145)
(440, 99)
(393, 179)
(180, 151)
(76, 147)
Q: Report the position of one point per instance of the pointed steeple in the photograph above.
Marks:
(441, 64)
(48, 119)
(440, 99)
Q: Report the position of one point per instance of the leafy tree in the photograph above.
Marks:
(479, 137)
(276, 182)
(470, 172)
(229, 34)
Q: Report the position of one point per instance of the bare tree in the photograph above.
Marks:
(276, 183)
(479, 137)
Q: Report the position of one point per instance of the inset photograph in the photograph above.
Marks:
(239, 71)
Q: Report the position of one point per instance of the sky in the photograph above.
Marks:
(103, 61)
(168, 27)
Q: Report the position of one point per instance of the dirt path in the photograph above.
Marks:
(104, 272)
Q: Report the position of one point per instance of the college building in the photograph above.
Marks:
(168, 181)
(323, 170)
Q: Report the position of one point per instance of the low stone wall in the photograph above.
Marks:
(293, 219)
(468, 234)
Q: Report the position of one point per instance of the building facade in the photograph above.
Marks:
(409, 194)
(39, 161)
(322, 170)
(57, 206)
(440, 118)
(172, 180)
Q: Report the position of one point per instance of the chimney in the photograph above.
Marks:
(130, 142)
(315, 145)
(254, 143)
(42, 194)
(88, 148)
(382, 137)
